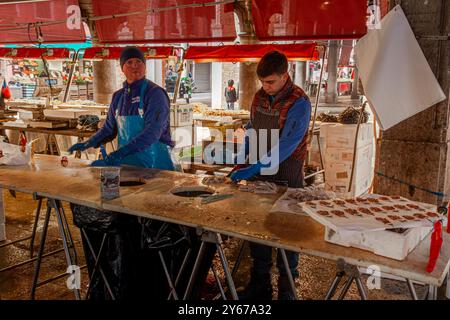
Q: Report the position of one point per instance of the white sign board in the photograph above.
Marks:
(397, 79)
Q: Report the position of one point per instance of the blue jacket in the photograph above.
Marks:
(156, 116)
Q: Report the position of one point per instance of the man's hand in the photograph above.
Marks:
(246, 173)
(114, 159)
(81, 146)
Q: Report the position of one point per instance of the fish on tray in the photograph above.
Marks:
(383, 220)
(338, 213)
(366, 211)
(324, 213)
(432, 214)
(339, 202)
(326, 203)
(353, 212)
(419, 215)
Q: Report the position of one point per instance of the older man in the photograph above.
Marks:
(139, 116)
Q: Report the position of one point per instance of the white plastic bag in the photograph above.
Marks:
(13, 156)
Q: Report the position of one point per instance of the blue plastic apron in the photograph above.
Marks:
(155, 156)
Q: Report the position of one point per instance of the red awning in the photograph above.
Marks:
(309, 19)
(59, 20)
(239, 53)
(35, 53)
(202, 24)
(113, 53)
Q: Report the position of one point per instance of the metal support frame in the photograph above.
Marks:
(353, 274)
(71, 257)
(288, 272)
(214, 238)
(30, 237)
(238, 262)
(97, 266)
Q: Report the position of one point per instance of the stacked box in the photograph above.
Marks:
(338, 149)
(181, 115)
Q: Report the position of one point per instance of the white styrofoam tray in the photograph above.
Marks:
(385, 243)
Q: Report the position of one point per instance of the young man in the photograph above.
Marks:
(278, 105)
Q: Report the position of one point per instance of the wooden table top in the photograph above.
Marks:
(245, 215)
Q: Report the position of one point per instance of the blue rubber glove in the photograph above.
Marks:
(115, 158)
(81, 146)
(246, 173)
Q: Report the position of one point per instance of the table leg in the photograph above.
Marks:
(40, 253)
(412, 290)
(228, 276)
(56, 204)
(334, 285)
(288, 272)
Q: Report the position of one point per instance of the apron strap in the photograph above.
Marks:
(119, 104)
(141, 98)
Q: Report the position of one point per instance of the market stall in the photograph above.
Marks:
(339, 220)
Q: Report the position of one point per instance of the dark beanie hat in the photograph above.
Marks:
(129, 53)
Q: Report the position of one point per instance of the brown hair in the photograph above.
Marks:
(273, 62)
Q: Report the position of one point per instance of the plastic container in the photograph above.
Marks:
(110, 182)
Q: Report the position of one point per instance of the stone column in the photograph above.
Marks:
(300, 73)
(248, 84)
(105, 81)
(248, 80)
(333, 55)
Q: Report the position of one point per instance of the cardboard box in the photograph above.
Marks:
(181, 115)
(384, 243)
(340, 187)
(338, 168)
(338, 135)
(345, 155)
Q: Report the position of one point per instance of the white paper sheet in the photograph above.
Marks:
(397, 79)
